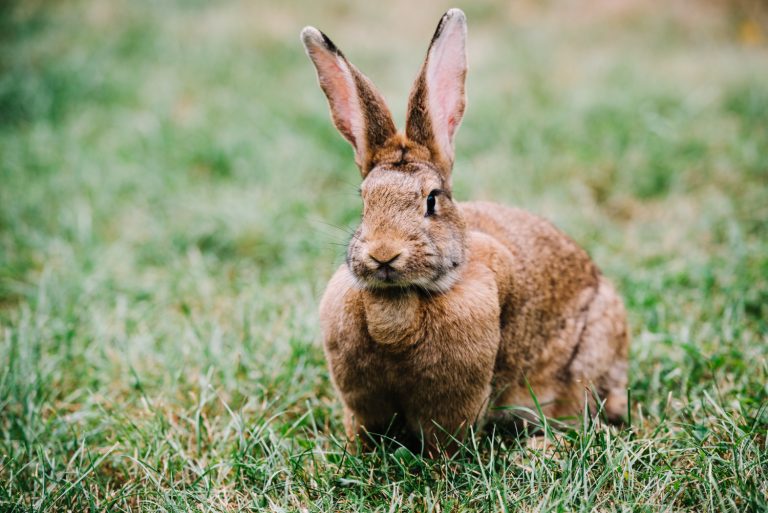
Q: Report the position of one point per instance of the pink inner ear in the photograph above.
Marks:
(451, 125)
(446, 69)
(339, 86)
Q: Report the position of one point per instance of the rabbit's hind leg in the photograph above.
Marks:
(601, 362)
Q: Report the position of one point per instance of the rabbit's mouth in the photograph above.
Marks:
(377, 276)
(386, 274)
(432, 278)
(384, 277)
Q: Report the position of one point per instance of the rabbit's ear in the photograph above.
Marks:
(437, 99)
(357, 108)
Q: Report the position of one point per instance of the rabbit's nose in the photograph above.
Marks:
(383, 254)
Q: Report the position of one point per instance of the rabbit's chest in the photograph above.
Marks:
(418, 338)
(405, 346)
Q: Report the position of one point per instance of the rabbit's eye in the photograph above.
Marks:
(431, 199)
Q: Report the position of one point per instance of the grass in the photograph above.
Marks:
(172, 200)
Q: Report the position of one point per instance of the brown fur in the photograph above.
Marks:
(418, 126)
(435, 317)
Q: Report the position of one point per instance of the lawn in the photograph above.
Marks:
(173, 198)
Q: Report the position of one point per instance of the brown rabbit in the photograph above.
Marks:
(442, 308)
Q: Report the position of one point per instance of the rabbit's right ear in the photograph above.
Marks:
(357, 108)
(437, 100)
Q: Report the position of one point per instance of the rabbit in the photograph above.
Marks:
(446, 311)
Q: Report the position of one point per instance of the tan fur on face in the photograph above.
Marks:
(438, 321)
(429, 249)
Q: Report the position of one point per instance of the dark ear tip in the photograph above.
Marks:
(329, 44)
(455, 13)
(451, 15)
(311, 37)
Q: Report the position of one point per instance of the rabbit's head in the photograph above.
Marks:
(412, 234)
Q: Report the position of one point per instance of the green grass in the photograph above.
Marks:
(172, 200)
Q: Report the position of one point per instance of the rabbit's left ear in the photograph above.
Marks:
(437, 100)
(357, 108)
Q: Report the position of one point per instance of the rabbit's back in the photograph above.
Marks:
(556, 310)
(548, 266)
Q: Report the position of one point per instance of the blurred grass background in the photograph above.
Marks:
(173, 198)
